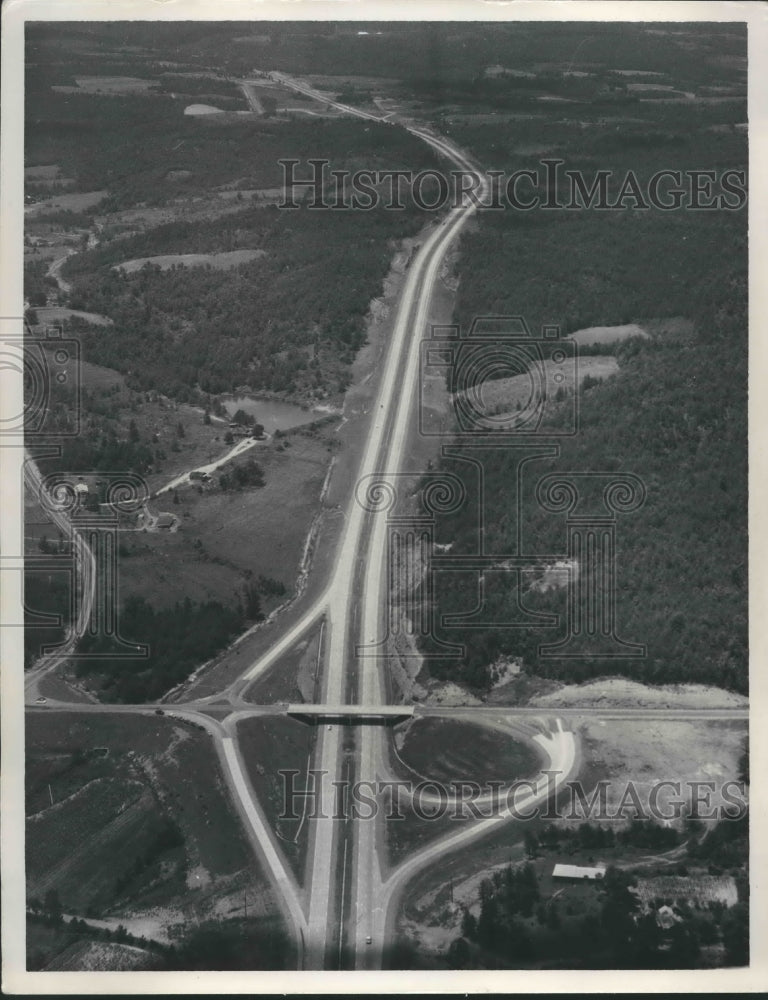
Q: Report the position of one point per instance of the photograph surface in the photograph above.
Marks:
(382, 484)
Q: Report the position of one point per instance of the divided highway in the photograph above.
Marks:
(349, 900)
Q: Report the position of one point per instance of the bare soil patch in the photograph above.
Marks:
(617, 692)
(128, 85)
(649, 751)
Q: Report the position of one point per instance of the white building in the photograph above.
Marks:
(578, 872)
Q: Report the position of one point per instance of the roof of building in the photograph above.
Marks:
(164, 520)
(577, 871)
(697, 888)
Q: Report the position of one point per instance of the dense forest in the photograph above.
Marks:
(288, 322)
(179, 639)
(292, 320)
(404, 50)
(144, 150)
(675, 414)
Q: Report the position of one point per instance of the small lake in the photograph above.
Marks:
(273, 414)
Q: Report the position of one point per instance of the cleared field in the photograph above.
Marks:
(384, 83)
(220, 261)
(114, 84)
(57, 314)
(76, 202)
(222, 202)
(201, 109)
(117, 782)
(47, 172)
(500, 398)
(618, 692)
(651, 751)
(606, 334)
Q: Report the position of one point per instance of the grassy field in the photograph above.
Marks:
(270, 745)
(445, 750)
(101, 790)
(225, 536)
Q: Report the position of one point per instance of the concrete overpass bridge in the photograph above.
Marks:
(352, 715)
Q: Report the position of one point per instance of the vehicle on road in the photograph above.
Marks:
(41, 701)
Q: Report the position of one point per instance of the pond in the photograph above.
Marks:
(272, 414)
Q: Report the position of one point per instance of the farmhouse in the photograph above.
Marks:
(666, 917)
(165, 520)
(197, 476)
(578, 872)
